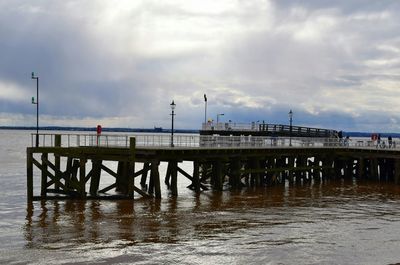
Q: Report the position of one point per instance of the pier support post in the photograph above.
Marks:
(29, 174)
(236, 182)
(95, 179)
(43, 191)
(291, 169)
(131, 167)
(57, 143)
(174, 177)
(397, 171)
(390, 165)
(374, 168)
(317, 169)
(146, 168)
(217, 175)
(269, 165)
(349, 164)
(155, 178)
(361, 168)
(255, 172)
(82, 178)
(167, 179)
(196, 176)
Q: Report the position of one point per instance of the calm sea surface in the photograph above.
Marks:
(331, 223)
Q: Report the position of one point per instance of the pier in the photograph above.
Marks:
(71, 165)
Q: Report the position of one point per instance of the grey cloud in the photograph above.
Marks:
(254, 61)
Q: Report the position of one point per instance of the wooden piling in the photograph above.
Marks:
(95, 178)
(174, 178)
(82, 178)
(235, 174)
(374, 168)
(131, 167)
(29, 174)
(397, 171)
(196, 176)
(146, 168)
(361, 168)
(57, 159)
(217, 175)
(43, 192)
(155, 178)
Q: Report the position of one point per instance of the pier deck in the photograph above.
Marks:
(218, 162)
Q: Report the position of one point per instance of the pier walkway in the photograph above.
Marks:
(219, 162)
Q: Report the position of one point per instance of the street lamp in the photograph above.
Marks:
(173, 105)
(37, 107)
(290, 128)
(220, 114)
(205, 109)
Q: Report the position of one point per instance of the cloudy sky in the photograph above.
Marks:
(120, 63)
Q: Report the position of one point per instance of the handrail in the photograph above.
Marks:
(266, 127)
(207, 141)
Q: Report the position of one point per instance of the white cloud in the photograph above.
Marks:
(13, 92)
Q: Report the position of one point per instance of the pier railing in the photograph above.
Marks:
(206, 141)
(269, 128)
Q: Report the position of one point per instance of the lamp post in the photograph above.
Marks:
(290, 128)
(37, 107)
(173, 105)
(220, 114)
(205, 109)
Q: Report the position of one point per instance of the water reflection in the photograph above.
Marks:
(57, 224)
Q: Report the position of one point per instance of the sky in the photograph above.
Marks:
(120, 63)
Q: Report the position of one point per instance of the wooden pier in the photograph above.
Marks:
(74, 171)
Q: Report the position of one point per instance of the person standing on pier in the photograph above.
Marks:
(378, 140)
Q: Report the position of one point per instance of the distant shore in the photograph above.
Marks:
(93, 129)
(157, 130)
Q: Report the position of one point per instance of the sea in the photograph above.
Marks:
(332, 222)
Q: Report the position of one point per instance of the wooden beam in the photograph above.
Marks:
(184, 173)
(144, 194)
(108, 188)
(109, 171)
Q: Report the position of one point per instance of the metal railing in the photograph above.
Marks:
(207, 141)
(270, 128)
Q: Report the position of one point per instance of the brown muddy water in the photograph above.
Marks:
(336, 222)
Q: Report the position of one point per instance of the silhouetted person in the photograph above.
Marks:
(346, 141)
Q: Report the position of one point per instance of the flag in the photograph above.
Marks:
(205, 98)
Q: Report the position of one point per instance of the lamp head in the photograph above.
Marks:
(173, 105)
